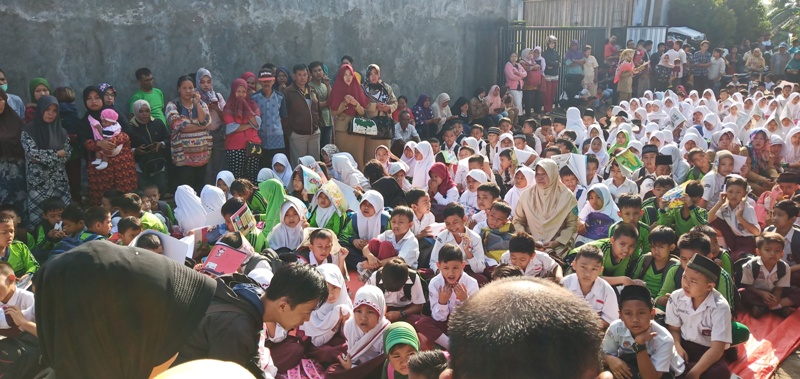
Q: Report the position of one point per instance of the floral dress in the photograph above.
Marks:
(120, 173)
(47, 176)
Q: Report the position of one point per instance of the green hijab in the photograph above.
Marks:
(398, 333)
(794, 64)
(274, 194)
(616, 145)
(35, 83)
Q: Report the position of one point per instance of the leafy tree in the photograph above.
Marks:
(784, 17)
(712, 17)
(751, 17)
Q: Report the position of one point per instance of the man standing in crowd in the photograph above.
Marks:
(14, 101)
(149, 92)
(675, 51)
(702, 60)
(273, 110)
(778, 62)
(302, 120)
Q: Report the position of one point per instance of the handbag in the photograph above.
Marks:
(152, 163)
(385, 125)
(362, 127)
(253, 149)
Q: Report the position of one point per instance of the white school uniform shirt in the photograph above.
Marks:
(421, 224)
(712, 187)
(602, 298)
(480, 225)
(647, 185)
(729, 215)
(452, 197)
(539, 266)
(478, 261)
(628, 186)
(312, 260)
(407, 248)
(595, 180)
(441, 312)
(395, 299)
(711, 321)
(767, 280)
(24, 300)
(661, 348)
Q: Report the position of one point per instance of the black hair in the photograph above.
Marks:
(552, 149)
(570, 146)
(231, 206)
(450, 252)
(349, 59)
(770, 237)
(414, 194)
(112, 194)
(433, 140)
(478, 91)
(506, 270)
(590, 251)
(148, 241)
(402, 97)
(591, 158)
(490, 187)
(313, 65)
(270, 66)
(299, 67)
(788, 206)
(232, 239)
(660, 44)
(694, 188)
(129, 223)
(532, 122)
(501, 206)
(546, 120)
(506, 153)
(476, 158)
(662, 235)
(298, 283)
(53, 204)
(130, 203)
(73, 212)
(453, 209)
(648, 43)
(665, 181)
(639, 293)
(695, 241)
(142, 72)
(93, 215)
(7, 208)
(428, 364)
(736, 181)
(150, 185)
(566, 171)
(625, 230)
(510, 318)
(462, 148)
(403, 211)
(184, 78)
(629, 200)
(374, 170)
(241, 185)
(320, 234)
(570, 134)
(522, 242)
(394, 274)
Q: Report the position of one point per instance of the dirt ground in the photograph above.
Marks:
(790, 368)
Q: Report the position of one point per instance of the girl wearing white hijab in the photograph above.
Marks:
(512, 196)
(694, 97)
(601, 154)
(398, 171)
(266, 174)
(189, 210)
(791, 149)
(733, 113)
(224, 181)
(322, 325)
(469, 199)
(773, 109)
(423, 154)
(658, 138)
(609, 208)
(370, 227)
(441, 110)
(648, 131)
(212, 199)
(411, 161)
(680, 169)
(711, 100)
(658, 113)
(697, 141)
(575, 123)
(289, 235)
(711, 124)
(347, 173)
(284, 176)
(366, 345)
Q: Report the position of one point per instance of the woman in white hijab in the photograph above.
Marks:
(324, 320)
(189, 210)
(284, 176)
(212, 199)
(441, 110)
(680, 169)
(347, 173)
(512, 196)
(283, 235)
(422, 165)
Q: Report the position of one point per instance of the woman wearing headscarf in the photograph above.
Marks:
(761, 172)
(12, 156)
(188, 118)
(46, 148)
(71, 121)
(548, 210)
(461, 111)
(553, 59)
(242, 119)
(347, 101)
(204, 83)
(109, 94)
(121, 171)
(148, 308)
(624, 76)
(252, 82)
(423, 117)
(150, 143)
(441, 110)
(38, 87)
(382, 102)
(283, 79)
(792, 69)
(663, 73)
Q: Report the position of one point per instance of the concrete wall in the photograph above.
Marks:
(421, 45)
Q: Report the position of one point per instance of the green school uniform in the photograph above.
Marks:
(41, 242)
(652, 277)
(650, 211)
(257, 205)
(673, 218)
(20, 258)
(643, 244)
(151, 222)
(622, 268)
(334, 223)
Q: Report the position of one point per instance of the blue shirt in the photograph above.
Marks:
(16, 104)
(273, 109)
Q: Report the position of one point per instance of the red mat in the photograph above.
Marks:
(772, 339)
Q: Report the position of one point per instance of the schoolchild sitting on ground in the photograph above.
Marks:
(322, 247)
(246, 190)
(619, 255)
(22, 235)
(46, 235)
(130, 204)
(72, 221)
(14, 252)
(488, 194)
(784, 216)
(254, 237)
(718, 254)
(420, 203)
(735, 218)
(323, 328)
(110, 203)
(663, 168)
(787, 187)
(288, 234)
(650, 205)
(367, 223)
(400, 344)
(466, 240)
(327, 210)
(766, 279)
(97, 221)
(446, 290)
(441, 187)
(618, 184)
(597, 216)
(653, 266)
(630, 212)
(399, 241)
(570, 180)
(469, 199)
(523, 255)
(714, 181)
(688, 215)
(18, 324)
(152, 243)
(402, 288)
(587, 284)
(699, 319)
(636, 333)
(160, 207)
(496, 231)
(702, 167)
(524, 178)
(128, 228)
(273, 193)
(506, 270)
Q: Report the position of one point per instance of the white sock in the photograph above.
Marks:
(443, 341)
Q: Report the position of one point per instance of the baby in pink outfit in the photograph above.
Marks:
(105, 129)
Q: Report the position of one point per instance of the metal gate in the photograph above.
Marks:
(516, 38)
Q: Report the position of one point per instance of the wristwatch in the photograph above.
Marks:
(638, 348)
(403, 314)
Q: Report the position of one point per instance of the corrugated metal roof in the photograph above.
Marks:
(601, 13)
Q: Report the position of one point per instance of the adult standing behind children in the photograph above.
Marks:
(548, 210)
(148, 91)
(302, 120)
(12, 155)
(347, 101)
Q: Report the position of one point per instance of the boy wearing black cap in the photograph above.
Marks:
(493, 145)
(663, 166)
(648, 170)
(559, 124)
(699, 319)
(636, 333)
(588, 117)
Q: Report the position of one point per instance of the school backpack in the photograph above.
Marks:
(20, 357)
(69, 243)
(275, 260)
(414, 276)
(735, 295)
(794, 243)
(738, 269)
(647, 262)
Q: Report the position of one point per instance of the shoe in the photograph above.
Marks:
(97, 161)
(102, 166)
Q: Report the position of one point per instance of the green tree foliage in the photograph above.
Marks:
(751, 18)
(784, 17)
(711, 17)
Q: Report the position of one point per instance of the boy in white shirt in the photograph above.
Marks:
(766, 279)
(636, 333)
(398, 241)
(699, 319)
(618, 184)
(522, 254)
(466, 240)
(18, 305)
(488, 193)
(587, 284)
(420, 202)
(784, 216)
(735, 218)
(447, 290)
(402, 289)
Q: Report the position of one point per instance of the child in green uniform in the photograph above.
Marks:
(15, 253)
(721, 256)
(652, 266)
(661, 185)
(22, 233)
(48, 233)
(255, 200)
(619, 257)
(630, 211)
(687, 216)
(327, 210)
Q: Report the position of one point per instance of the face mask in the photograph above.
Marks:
(4, 87)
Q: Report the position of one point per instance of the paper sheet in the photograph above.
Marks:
(173, 248)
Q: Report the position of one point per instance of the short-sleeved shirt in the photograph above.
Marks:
(540, 266)
(273, 109)
(622, 268)
(712, 187)
(767, 280)
(407, 248)
(729, 215)
(397, 299)
(619, 341)
(710, 322)
(156, 100)
(602, 298)
(680, 54)
(441, 312)
(405, 135)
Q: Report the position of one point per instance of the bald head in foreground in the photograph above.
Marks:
(524, 328)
